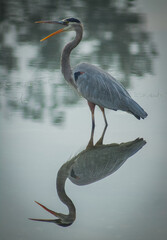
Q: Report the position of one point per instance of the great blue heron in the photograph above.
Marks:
(94, 84)
(92, 164)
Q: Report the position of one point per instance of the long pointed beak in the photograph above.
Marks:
(48, 210)
(43, 220)
(54, 33)
(51, 21)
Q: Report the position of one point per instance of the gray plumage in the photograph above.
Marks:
(100, 88)
(94, 84)
(91, 165)
(98, 162)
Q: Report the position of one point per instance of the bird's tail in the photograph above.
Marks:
(132, 147)
(136, 110)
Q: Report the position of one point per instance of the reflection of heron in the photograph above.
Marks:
(94, 163)
(94, 84)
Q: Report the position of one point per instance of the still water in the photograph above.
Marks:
(117, 187)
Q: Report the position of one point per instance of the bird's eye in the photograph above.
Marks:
(65, 21)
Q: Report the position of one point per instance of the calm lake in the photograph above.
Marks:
(118, 191)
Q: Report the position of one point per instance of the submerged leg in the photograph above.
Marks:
(90, 143)
(92, 109)
(105, 119)
(100, 141)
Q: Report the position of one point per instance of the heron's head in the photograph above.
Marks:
(69, 24)
(61, 219)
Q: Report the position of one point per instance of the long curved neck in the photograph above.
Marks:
(65, 58)
(61, 179)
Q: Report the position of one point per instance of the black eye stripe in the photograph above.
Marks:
(72, 20)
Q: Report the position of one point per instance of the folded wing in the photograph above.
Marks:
(102, 89)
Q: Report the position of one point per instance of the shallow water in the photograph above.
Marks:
(44, 123)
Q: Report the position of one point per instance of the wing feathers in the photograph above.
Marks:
(102, 89)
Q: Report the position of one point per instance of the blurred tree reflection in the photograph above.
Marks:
(115, 39)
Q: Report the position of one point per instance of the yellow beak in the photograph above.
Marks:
(54, 33)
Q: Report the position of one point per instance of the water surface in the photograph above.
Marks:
(44, 122)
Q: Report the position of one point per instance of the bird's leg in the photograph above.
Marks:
(92, 109)
(105, 119)
(90, 143)
(100, 141)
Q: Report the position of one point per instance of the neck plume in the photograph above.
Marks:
(65, 58)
